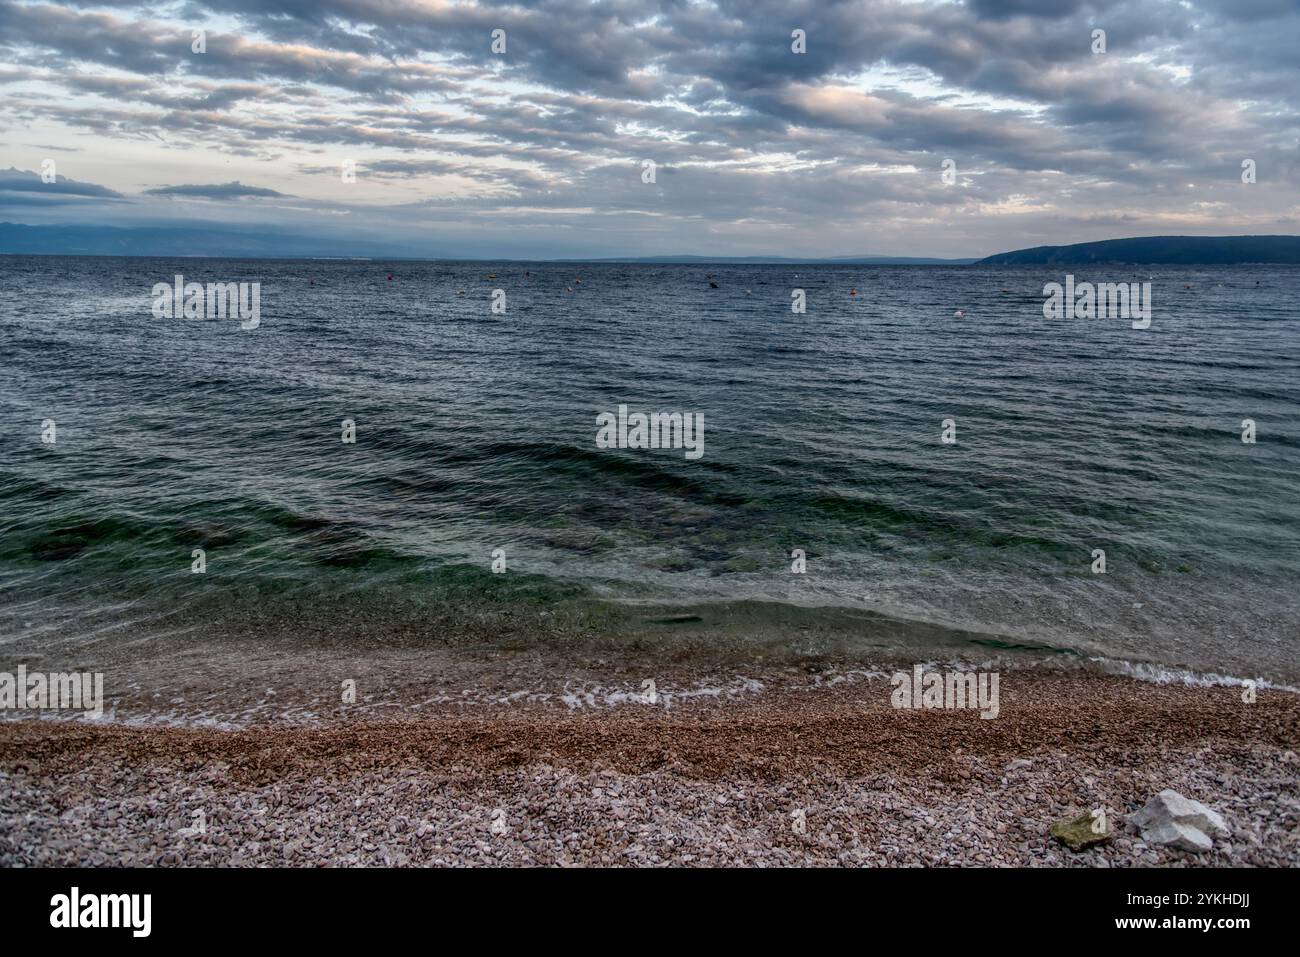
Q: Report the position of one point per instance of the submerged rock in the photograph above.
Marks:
(1176, 821)
(1087, 829)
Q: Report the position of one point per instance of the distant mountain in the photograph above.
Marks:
(1162, 250)
(179, 241)
(18, 239)
(782, 260)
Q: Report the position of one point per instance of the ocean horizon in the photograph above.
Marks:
(413, 450)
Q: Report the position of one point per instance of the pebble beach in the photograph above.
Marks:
(801, 768)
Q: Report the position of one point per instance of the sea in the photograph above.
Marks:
(917, 466)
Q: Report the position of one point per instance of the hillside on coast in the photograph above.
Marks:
(1164, 250)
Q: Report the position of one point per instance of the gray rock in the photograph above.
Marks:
(1170, 806)
(1083, 831)
(1176, 821)
(1182, 837)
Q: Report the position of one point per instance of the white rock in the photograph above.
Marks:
(1184, 837)
(1177, 821)
(1169, 805)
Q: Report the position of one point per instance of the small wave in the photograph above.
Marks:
(1166, 675)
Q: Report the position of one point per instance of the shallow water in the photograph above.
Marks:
(477, 432)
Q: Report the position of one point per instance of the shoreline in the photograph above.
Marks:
(231, 683)
(817, 769)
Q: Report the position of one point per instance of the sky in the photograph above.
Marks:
(540, 150)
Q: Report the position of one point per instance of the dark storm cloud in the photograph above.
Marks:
(18, 181)
(1049, 9)
(233, 190)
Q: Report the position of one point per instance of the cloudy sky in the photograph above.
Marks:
(759, 150)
